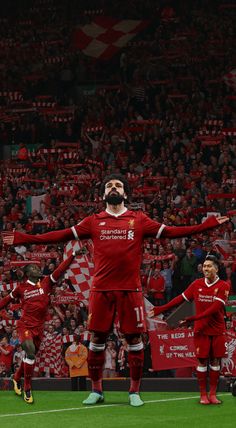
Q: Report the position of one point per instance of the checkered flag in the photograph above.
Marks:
(105, 36)
(80, 272)
(49, 358)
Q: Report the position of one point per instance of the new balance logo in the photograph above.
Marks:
(102, 223)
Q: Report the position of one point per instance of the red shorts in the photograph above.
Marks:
(210, 346)
(103, 306)
(30, 333)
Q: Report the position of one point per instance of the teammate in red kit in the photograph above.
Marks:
(117, 235)
(209, 294)
(34, 296)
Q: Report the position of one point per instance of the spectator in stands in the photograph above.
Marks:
(76, 357)
(166, 272)
(156, 285)
(14, 339)
(6, 354)
(123, 364)
(188, 267)
(18, 356)
(109, 368)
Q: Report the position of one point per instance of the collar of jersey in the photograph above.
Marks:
(118, 214)
(212, 283)
(30, 282)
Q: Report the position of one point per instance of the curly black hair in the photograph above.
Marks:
(119, 177)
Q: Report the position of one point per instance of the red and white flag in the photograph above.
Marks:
(80, 272)
(230, 79)
(49, 357)
(104, 36)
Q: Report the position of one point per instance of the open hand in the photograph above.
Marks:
(222, 219)
(183, 323)
(150, 313)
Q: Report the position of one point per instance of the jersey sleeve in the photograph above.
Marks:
(4, 302)
(45, 238)
(83, 229)
(181, 231)
(48, 283)
(15, 294)
(223, 292)
(60, 270)
(188, 294)
(151, 227)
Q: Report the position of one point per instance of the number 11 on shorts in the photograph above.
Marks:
(139, 313)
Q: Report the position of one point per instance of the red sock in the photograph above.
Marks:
(28, 373)
(136, 359)
(95, 366)
(202, 381)
(214, 379)
(19, 372)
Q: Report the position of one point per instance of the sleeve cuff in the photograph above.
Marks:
(160, 231)
(185, 298)
(52, 279)
(74, 232)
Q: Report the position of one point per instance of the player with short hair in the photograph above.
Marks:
(34, 295)
(117, 234)
(209, 294)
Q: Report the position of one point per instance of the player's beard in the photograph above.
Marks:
(114, 199)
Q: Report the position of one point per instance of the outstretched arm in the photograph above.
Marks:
(63, 266)
(181, 231)
(209, 311)
(15, 238)
(157, 310)
(4, 302)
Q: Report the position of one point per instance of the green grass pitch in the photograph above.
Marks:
(162, 409)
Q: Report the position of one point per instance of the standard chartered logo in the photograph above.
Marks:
(116, 234)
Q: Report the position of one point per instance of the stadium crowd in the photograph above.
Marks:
(160, 112)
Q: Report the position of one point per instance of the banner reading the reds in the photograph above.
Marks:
(172, 349)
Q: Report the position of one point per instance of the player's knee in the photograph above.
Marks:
(29, 348)
(202, 362)
(133, 339)
(98, 338)
(135, 350)
(215, 362)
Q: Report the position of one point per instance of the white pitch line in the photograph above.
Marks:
(100, 406)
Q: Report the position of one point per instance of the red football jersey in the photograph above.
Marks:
(117, 247)
(34, 301)
(204, 295)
